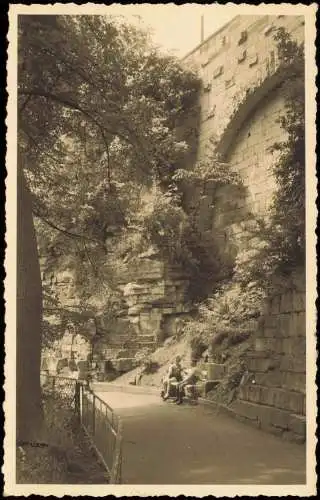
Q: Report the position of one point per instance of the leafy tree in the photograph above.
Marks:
(99, 117)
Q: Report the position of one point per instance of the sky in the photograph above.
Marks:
(176, 27)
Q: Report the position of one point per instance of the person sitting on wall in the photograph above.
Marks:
(173, 376)
(191, 378)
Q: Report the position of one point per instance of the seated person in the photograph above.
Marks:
(173, 376)
(191, 378)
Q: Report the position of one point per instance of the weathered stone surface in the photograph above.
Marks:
(273, 429)
(286, 380)
(298, 301)
(293, 437)
(268, 344)
(151, 322)
(297, 424)
(262, 364)
(294, 346)
(275, 305)
(293, 364)
(242, 408)
(215, 371)
(136, 310)
(294, 381)
(270, 322)
(280, 398)
(298, 324)
(271, 419)
(131, 289)
(284, 323)
(286, 304)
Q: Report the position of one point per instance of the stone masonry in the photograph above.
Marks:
(273, 395)
(242, 98)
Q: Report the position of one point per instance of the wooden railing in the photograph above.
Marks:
(98, 420)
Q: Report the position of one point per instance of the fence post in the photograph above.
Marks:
(117, 456)
(81, 402)
(77, 399)
(94, 415)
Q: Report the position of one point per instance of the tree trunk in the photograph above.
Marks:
(29, 320)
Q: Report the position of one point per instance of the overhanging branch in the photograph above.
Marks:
(64, 231)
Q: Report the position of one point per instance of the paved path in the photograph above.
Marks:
(169, 444)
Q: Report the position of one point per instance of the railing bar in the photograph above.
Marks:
(107, 437)
(97, 451)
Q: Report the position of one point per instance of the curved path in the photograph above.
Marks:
(194, 444)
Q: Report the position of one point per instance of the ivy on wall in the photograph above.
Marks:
(281, 235)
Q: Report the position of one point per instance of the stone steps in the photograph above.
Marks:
(271, 419)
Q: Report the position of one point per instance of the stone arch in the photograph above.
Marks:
(251, 101)
(236, 211)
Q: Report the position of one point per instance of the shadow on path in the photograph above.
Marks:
(169, 444)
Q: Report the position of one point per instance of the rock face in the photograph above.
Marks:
(155, 301)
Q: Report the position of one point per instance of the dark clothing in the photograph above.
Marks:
(175, 372)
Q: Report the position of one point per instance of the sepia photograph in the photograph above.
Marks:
(161, 264)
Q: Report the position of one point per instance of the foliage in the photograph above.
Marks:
(67, 451)
(99, 120)
(150, 367)
(208, 169)
(96, 116)
(174, 227)
(229, 312)
(197, 348)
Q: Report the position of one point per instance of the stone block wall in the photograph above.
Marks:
(273, 395)
(241, 101)
(240, 56)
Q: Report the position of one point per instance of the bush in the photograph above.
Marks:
(150, 367)
(198, 347)
(237, 337)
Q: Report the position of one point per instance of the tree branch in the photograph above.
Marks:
(64, 231)
(34, 142)
(23, 106)
(64, 101)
